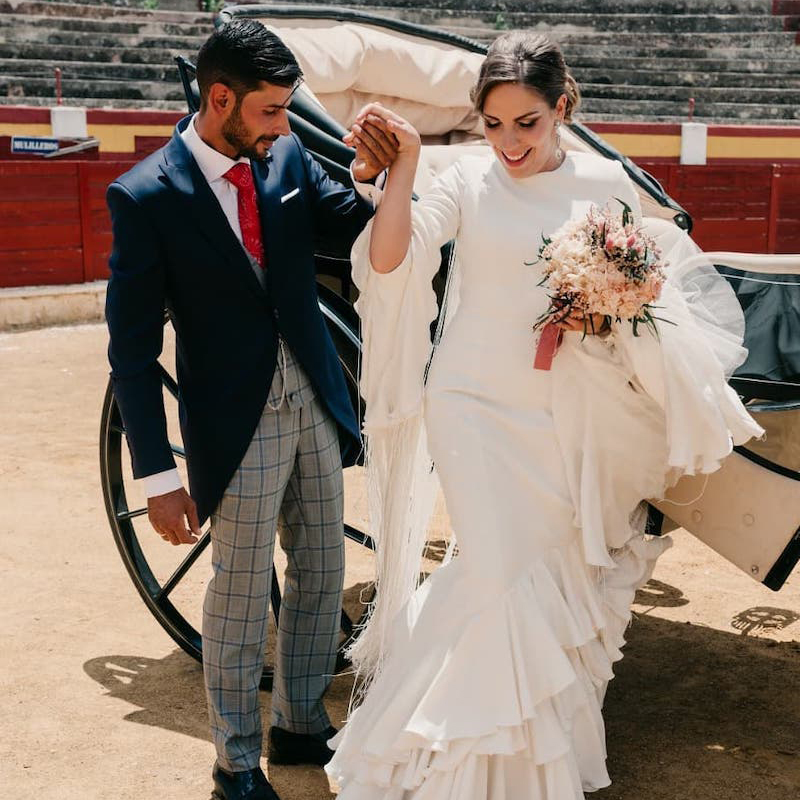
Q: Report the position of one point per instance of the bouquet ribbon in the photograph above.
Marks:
(549, 342)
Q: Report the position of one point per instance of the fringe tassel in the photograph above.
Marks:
(402, 490)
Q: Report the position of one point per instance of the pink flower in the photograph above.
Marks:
(600, 280)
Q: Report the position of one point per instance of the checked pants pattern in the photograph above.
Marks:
(292, 468)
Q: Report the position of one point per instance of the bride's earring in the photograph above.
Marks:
(559, 151)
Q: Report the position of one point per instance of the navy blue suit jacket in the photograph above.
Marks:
(174, 249)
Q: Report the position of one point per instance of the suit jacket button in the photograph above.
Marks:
(275, 313)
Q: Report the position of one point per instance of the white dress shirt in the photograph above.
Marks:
(214, 165)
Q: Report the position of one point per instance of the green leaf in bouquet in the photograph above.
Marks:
(627, 214)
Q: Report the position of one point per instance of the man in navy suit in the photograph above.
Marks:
(218, 228)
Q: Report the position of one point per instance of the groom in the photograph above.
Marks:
(218, 228)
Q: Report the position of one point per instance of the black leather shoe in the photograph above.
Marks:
(286, 747)
(249, 785)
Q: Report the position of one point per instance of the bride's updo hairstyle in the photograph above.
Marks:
(531, 60)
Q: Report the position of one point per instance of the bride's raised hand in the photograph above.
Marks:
(376, 116)
(376, 149)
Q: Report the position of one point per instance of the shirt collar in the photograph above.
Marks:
(212, 163)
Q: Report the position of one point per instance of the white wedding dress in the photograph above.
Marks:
(495, 671)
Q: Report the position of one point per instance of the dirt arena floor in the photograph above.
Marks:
(98, 702)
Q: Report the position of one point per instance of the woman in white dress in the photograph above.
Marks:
(492, 676)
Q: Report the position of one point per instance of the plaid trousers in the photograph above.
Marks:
(292, 467)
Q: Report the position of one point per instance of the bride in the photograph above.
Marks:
(490, 680)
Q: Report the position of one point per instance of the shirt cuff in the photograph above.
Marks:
(370, 191)
(161, 482)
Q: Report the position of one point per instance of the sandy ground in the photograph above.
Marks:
(98, 702)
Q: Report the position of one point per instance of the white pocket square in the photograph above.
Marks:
(290, 195)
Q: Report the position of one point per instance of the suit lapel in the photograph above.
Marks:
(200, 204)
(268, 189)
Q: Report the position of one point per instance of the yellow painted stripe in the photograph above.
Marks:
(113, 138)
(753, 147)
(25, 129)
(121, 138)
(637, 145)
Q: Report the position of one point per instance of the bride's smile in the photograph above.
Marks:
(520, 126)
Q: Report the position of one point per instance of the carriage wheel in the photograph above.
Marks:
(169, 580)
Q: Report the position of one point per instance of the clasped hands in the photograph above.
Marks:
(381, 138)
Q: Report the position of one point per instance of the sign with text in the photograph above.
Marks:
(33, 145)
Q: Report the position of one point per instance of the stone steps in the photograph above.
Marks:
(102, 10)
(133, 27)
(633, 59)
(668, 59)
(187, 45)
(702, 94)
(784, 40)
(746, 64)
(641, 24)
(110, 55)
(12, 84)
(634, 75)
(753, 81)
(88, 70)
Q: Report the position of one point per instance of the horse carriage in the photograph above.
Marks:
(749, 511)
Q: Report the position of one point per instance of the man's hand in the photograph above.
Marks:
(169, 514)
(379, 137)
(376, 149)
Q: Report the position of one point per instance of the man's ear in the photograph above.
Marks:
(221, 99)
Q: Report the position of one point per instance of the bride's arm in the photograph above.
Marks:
(391, 230)
(391, 227)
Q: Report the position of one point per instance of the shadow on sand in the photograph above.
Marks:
(170, 694)
(693, 714)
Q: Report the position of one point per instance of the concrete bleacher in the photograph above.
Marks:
(110, 55)
(634, 59)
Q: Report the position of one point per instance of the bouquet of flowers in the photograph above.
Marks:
(601, 264)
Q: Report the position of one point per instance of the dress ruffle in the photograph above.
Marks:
(509, 695)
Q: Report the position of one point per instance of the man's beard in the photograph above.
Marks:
(238, 137)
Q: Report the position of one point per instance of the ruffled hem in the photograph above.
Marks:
(513, 695)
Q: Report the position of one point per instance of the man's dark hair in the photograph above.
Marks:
(240, 55)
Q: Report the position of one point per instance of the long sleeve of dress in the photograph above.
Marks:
(396, 311)
(397, 308)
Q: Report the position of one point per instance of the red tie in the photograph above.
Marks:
(242, 178)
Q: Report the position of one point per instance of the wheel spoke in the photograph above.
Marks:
(359, 536)
(132, 514)
(177, 450)
(184, 567)
(169, 382)
(347, 624)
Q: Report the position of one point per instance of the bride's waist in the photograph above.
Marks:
(494, 324)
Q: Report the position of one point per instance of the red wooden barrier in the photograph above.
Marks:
(55, 228)
(786, 182)
(751, 208)
(54, 225)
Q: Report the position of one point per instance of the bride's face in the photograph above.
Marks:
(520, 127)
